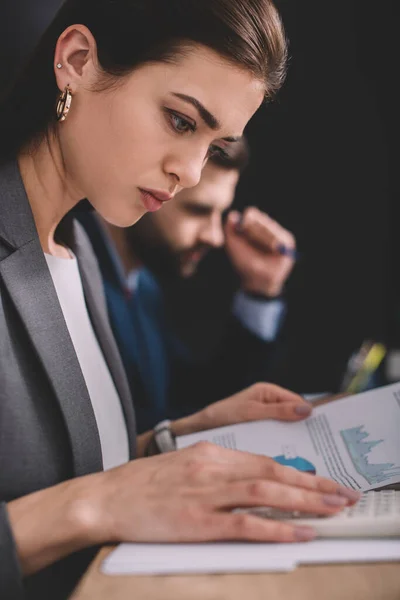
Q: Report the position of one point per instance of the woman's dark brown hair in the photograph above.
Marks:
(128, 33)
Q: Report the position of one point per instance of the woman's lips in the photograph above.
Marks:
(154, 199)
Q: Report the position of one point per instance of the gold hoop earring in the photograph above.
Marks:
(64, 104)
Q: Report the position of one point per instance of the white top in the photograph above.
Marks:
(103, 395)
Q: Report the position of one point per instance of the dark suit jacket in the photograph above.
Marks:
(225, 356)
(207, 353)
(48, 432)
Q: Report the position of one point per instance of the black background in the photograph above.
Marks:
(324, 164)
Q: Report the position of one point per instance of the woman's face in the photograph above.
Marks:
(151, 135)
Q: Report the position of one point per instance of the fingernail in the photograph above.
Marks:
(351, 495)
(335, 500)
(303, 410)
(304, 534)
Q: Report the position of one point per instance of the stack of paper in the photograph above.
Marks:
(174, 559)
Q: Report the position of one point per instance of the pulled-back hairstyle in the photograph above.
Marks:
(129, 33)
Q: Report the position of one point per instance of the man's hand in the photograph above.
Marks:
(254, 243)
(257, 402)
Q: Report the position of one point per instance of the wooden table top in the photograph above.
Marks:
(379, 581)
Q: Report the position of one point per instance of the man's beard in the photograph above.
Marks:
(190, 259)
(154, 253)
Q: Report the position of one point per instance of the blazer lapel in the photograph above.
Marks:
(24, 272)
(112, 276)
(94, 294)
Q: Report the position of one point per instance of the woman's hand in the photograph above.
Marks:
(188, 496)
(260, 401)
(183, 496)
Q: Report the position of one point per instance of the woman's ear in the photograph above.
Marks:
(75, 58)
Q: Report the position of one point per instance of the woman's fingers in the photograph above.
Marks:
(279, 412)
(271, 393)
(209, 462)
(272, 494)
(249, 527)
(257, 402)
(294, 477)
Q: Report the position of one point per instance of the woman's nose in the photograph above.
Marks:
(186, 168)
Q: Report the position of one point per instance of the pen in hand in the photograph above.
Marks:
(290, 252)
(280, 249)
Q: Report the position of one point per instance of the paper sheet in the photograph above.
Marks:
(164, 559)
(354, 441)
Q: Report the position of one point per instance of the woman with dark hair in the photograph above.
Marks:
(122, 103)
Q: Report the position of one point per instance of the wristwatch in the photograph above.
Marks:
(163, 437)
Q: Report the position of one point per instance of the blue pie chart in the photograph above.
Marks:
(299, 463)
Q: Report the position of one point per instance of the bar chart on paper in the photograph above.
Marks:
(359, 448)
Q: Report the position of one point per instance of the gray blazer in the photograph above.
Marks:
(48, 432)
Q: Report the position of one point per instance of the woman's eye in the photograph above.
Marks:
(179, 123)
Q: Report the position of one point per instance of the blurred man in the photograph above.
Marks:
(148, 274)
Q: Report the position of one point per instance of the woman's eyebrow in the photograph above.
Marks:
(208, 118)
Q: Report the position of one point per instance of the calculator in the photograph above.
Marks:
(376, 514)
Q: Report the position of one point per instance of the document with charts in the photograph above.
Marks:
(355, 440)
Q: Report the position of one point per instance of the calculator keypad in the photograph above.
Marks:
(376, 514)
(375, 504)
